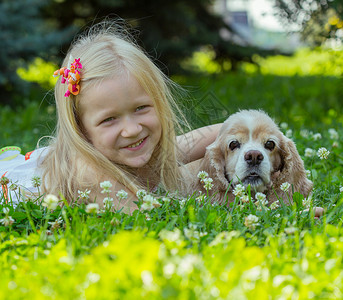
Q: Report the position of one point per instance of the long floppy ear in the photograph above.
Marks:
(292, 170)
(214, 162)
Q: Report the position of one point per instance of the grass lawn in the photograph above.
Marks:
(190, 248)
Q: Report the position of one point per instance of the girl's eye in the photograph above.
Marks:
(141, 107)
(107, 120)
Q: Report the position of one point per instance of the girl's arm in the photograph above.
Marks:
(125, 202)
(97, 193)
(192, 145)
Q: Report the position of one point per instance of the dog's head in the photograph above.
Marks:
(250, 149)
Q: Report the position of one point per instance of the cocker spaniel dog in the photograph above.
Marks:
(250, 150)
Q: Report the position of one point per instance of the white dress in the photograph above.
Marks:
(20, 169)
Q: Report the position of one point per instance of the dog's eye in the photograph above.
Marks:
(233, 145)
(270, 145)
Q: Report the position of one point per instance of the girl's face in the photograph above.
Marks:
(120, 120)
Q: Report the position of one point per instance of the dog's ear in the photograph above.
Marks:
(292, 168)
(214, 163)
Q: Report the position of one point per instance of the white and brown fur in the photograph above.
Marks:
(250, 149)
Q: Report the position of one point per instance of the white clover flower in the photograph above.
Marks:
(245, 199)
(140, 194)
(289, 133)
(193, 226)
(308, 173)
(150, 202)
(147, 279)
(307, 201)
(261, 201)
(182, 203)
(105, 185)
(108, 201)
(260, 197)
(317, 136)
(341, 189)
(36, 181)
(148, 198)
(309, 152)
(285, 186)
(335, 144)
(304, 133)
(93, 277)
(207, 180)
(202, 175)
(241, 206)
(155, 203)
(291, 230)
(50, 202)
(8, 220)
(169, 270)
(201, 197)
(191, 234)
(194, 234)
(121, 195)
(187, 264)
(166, 199)
(55, 224)
(92, 208)
(208, 183)
(260, 205)
(171, 236)
(284, 125)
(333, 134)
(274, 205)
(147, 206)
(323, 153)
(84, 195)
(6, 210)
(251, 221)
(239, 190)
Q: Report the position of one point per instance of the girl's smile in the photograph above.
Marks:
(120, 120)
(137, 146)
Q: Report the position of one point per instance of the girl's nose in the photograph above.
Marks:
(130, 128)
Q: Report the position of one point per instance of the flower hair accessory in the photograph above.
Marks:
(71, 75)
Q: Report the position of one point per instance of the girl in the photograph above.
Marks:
(116, 122)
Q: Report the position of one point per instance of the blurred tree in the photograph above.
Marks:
(24, 35)
(320, 20)
(169, 30)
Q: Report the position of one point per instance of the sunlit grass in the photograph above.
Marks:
(304, 62)
(184, 248)
(39, 71)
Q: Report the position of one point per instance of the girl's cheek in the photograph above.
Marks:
(111, 133)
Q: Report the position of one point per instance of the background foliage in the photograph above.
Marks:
(169, 31)
(319, 20)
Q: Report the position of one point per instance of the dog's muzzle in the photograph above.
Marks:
(253, 159)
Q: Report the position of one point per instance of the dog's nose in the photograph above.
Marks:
(253, 157)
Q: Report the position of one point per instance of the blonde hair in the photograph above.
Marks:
(105, 53)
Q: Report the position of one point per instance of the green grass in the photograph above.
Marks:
(189, 248)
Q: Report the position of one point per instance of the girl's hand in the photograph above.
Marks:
(192, 145)
(317, 211)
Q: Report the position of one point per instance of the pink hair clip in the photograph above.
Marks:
(72, 76)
